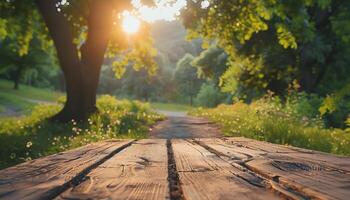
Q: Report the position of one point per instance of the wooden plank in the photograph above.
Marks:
(331, 160)
(46, 177)
(309, 173)
(138, 172)
(204, 175)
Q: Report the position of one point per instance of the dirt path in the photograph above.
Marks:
(179, 125)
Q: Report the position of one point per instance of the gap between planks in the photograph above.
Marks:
(205, 168)
(253, 177)
(48, 177)
(296, 173)
(138, 172)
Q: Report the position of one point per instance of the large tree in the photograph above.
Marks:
(273, 44)
(82, 32)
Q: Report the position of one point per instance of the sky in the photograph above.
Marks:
(164, 10)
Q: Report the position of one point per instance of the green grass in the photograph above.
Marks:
(270, 121)
(29, 92)
(33, 136)
(24, 98)
(171, 107)
(14, 102)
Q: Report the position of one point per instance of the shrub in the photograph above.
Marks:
(270, 120)
(33, 136)
(209, 95)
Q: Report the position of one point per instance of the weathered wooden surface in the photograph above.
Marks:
(201, 168)
(138, 172)
(203, 175)
(305, 173)
(47, 177)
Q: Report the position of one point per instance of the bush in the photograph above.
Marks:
(270, 120)
(209, 95)
(33, 136)
(304, 105)
(335, 108)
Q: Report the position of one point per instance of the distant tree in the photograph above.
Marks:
(34, 68)
(211, 63)
(186, 78)
(209, 95)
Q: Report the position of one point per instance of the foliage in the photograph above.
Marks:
(186, 78)
(33, 136)
(271, 44)
(26, 52)
(211, 63)
(38, 67)
(303, 105)
(270, 120)
(171, 46)
(332, 102)
(209, 95)
(21, 23)
(336, 107)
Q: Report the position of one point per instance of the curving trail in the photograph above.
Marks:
(187, 159)
(179, 125)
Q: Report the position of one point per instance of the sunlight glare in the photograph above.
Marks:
(205, 4)
(164, 10)
(131, 24)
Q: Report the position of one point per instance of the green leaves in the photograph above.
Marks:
(3, 31)
(332, 102)
(341, 24)
(140, 55)
(285, 37)
(303, 40)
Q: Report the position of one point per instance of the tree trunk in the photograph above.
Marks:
(81, 74)
(16, 84)
(17, 77)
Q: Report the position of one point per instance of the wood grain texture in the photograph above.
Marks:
(137, 172)
(340, 162)
(203, 175)
(309, 173)
(43, 178)
(200, 168)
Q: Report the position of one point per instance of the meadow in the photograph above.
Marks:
(32, 136)
(268, 119)
(24, 99)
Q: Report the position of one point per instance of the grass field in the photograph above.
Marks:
(271, 121)
(32, 135)
(170, 107)
(24, 98)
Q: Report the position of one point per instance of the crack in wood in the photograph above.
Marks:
(197, 170)
(295, 166)
(175, 189)
(78, 178)
(273, 184)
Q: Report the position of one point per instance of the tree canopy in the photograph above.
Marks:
(274, 45)
(250, 47)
